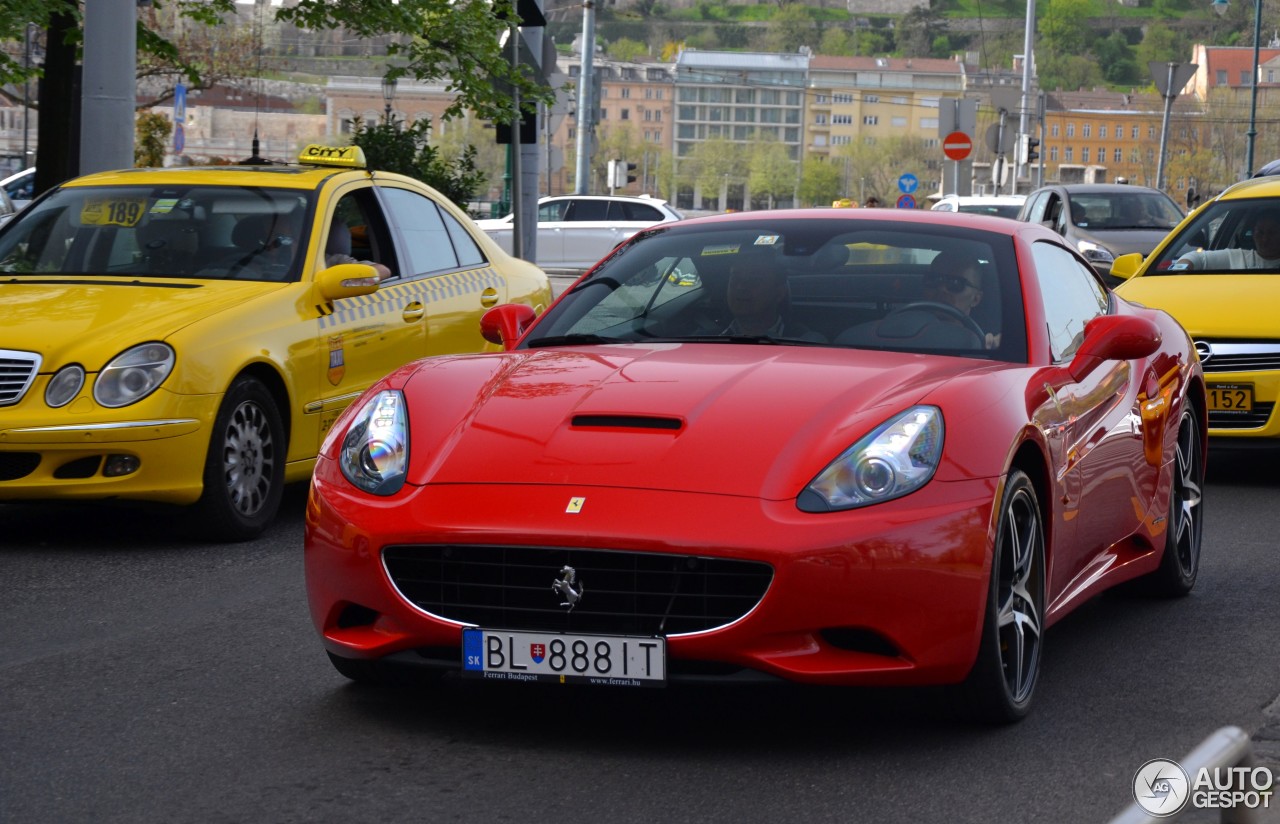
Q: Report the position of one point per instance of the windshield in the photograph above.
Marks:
(994, 209)
(185, 231)
(1113, 211)
(1228, 236)
(868, 284)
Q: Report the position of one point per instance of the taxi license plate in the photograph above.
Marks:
(1230, 397)
(601, 660)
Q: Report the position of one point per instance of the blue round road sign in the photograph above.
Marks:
(908, 183)
(906, 202)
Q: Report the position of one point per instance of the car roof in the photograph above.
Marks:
(1099, 188)
(983, 198)
(278, 176)
(1252, 187)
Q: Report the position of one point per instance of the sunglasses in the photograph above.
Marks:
(952, 283)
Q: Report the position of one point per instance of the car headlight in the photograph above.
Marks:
(133, 374)
(64, 386)
(375, 450)
(896, 458)
(1094, 253)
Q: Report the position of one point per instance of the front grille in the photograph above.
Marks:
(17, 371)
(1218, 356)
(623, 593)
(1253, 419)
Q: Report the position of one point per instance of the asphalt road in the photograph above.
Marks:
(146, 677)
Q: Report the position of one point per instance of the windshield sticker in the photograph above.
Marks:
(726, 249)
(113, 211)
(164, 205)
(767, 240)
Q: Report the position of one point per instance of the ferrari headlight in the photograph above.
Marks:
(375, 450)
(64, 386)
(133, 374)
(1094, 253)
(896, 458)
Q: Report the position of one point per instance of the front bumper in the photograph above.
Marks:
(887, 595)
(159, 444)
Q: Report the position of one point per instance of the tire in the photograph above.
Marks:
(244, 468)
(1180, 564)
(1002, 682)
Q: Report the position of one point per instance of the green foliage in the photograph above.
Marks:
(821, 182)
(772, 171)
(626, 49)
(152, 132)
(390, 148)
(1115, 58)
(789, 29)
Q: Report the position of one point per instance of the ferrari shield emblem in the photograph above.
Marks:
(337, 361)
(575, 505)
(537, 652)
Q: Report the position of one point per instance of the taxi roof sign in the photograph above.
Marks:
(317, 154)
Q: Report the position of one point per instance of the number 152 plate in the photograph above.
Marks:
(600, 660)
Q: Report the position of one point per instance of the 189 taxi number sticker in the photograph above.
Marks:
(113, 211)
(600, 660)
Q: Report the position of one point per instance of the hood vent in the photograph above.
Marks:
(628, 422)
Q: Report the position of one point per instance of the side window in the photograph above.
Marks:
(463, 244)
(1072, 297)
(641, 211)
(584, 210)
(428, 247)
(553, 211)
(358, 232)
(1035, 213)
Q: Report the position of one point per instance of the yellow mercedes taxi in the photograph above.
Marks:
(187, 335)
(1218, 273)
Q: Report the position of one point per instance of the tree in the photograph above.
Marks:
(626, 49)
(790, 28)
(822, 181)
(153, 130)
(772, 174)
(393, 147)
(1064, 29)
(455, 40)
(1115, 57)
(1160, 44)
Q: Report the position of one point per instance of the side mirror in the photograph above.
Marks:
(1126, 266)
(505, 324)
(346, 280)
(1114, 337)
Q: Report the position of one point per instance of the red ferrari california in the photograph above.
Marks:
(844, 447)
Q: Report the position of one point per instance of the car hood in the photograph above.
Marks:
(89, 320)
(1123, 241)
(1214, 306)
(732, 419)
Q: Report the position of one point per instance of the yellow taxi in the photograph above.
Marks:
(1218, 274)
(188, 335)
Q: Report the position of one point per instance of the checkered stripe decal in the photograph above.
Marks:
(390, 299)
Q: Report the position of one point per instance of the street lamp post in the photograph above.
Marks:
(388, 96)
(1220, 6)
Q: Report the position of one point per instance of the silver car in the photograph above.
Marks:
(575, 231)
(1104, 220)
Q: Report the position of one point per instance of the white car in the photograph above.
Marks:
(575, 231)
(20, 187)
(994, 205)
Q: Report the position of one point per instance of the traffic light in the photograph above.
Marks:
(620, 173)
(1029, 149)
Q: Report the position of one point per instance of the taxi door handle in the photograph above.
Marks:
(489, 297)
(413, 312)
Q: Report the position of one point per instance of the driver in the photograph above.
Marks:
(959, 286)
(1265, 253)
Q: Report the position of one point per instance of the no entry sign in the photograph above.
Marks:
(957, 145)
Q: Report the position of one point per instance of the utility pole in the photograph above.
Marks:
(586, 98)
(110, 85)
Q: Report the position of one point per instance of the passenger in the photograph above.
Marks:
(757, 299)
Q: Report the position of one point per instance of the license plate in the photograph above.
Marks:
(600, 660)
(1230, 397)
